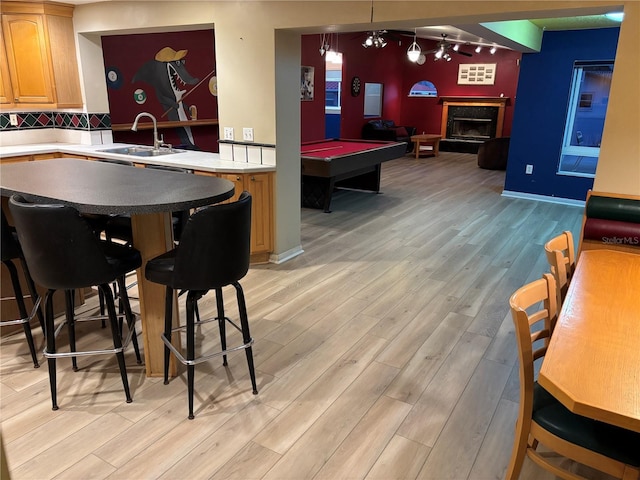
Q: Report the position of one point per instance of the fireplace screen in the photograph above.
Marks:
(472, 123)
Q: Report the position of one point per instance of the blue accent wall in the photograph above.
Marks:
(332, 125)
(541, 108)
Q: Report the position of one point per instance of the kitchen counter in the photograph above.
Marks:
(203, 161)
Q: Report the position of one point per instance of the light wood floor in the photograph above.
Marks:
(385, 351)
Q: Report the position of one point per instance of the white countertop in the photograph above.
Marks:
(204, 161)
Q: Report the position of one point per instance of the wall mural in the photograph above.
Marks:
(163, 74)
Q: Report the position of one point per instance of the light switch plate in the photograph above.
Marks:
(247, 134)
(228, 133)
(13, 119)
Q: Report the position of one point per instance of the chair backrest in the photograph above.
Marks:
(214, 248)
(534, 310)
(59, 246)
(561, 256)
(10, 248)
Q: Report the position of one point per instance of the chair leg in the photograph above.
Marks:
(22, 310)
(519, 451)
(246, 334)
(168, 314)
(51, 346)
(71, 325)
(221, 324)
(32, 291)
(131, 321)
(117, 339)
(191, 340)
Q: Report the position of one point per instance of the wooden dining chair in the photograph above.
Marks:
(561, 256)
(542, 419)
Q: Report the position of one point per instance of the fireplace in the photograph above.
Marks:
(468, 121)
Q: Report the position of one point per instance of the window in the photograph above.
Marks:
(586, 112)
(333, 83)
(423, 88)
(372, 99)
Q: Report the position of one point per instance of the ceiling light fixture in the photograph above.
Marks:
(414, 50)
(493, 50)
(478, 49)
(375, 39)
(456, 47)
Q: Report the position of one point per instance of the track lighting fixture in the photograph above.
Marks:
(493, 50)
(456, 47)
(478, 49)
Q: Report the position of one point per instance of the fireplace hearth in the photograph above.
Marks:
(467, 122)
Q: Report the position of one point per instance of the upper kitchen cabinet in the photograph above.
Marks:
(38, 53)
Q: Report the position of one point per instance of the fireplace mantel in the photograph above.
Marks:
(499, 102)
(474, 100)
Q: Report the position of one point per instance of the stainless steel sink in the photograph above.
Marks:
(142, 151)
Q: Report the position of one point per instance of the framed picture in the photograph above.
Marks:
(306, 83)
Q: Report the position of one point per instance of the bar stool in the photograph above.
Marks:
(11, 251)
(63, 253)
(213, 253)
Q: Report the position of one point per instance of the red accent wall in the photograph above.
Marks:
(391, 67)
(127, 53)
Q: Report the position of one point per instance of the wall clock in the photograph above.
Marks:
(355, 86)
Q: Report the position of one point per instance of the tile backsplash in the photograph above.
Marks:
(63, 120)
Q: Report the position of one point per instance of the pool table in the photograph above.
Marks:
(333, 163)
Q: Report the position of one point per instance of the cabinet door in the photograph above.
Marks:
(238, 184)
(28, 58)
(6, 92)
(259, 185)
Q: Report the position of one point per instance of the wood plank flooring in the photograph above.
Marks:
(385, 351)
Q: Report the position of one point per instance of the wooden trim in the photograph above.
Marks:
(120, 127)
(500, 102)
(48, 8)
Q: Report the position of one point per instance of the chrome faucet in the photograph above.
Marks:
(157, 142)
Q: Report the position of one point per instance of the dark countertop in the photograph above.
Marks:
(103, 188)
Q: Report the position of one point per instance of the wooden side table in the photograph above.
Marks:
(426, 140)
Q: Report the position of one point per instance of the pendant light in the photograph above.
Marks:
(414, 50)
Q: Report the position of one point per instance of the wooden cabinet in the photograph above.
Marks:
(37, 58)
(260, 186)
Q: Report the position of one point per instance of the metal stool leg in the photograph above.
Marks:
(168, 314)
(117, 339)
(22, 310)
(71, 325)
(190, 324)
(221, 324)
(131, 322)
(50, 335)
(246, 334)
(33, 292)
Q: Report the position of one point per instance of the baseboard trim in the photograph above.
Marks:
(543, 198)
(278, 258)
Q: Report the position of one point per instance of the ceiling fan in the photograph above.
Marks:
(444, 47)
(379, 38)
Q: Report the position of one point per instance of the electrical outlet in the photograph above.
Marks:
(13, 119)
(228, 133)
(528, 169)
(247, 134)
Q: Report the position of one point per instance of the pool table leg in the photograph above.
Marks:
(329, 192)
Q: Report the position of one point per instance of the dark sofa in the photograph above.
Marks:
(389, 131)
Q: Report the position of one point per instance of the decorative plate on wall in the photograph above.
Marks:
(355, 86)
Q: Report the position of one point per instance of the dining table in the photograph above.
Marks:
(592, 364)
(148, 195)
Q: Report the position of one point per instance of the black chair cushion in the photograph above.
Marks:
(122, 259)
(613, 442)
(160, 269)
